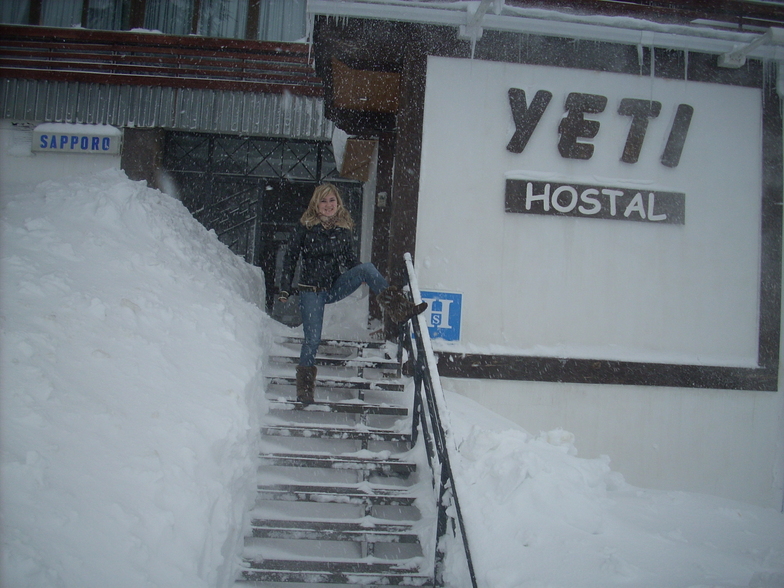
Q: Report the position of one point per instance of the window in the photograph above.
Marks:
(173, 17)
(275, 20)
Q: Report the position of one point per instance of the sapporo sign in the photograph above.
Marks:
(595, 201)
(77, 138)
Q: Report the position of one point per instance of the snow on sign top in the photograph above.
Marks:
(77, 138)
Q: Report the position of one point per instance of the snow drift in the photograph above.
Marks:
(539, 516)
(131, 382)
(131, 367)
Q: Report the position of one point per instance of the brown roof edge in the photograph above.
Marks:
(156, 39)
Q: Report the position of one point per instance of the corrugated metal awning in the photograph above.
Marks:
(186, 109)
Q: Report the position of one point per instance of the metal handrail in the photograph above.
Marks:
(429, 412)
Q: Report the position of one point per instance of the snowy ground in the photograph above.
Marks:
(542, 517)
(130, 374)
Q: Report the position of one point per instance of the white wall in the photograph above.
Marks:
(718, 442)
(19, 165)
(607, 289)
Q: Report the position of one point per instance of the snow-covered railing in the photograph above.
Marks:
(430, 413)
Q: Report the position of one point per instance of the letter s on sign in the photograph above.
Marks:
(588, 197)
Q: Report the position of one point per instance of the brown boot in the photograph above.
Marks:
(399, 308)
(306, 382)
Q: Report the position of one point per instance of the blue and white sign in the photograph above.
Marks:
(444, 314)
(77, 138)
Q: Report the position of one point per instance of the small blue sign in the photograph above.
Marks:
(444, 314)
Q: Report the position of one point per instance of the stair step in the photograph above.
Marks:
(299, 558)
(340, 462)
(356, 362)
(334, 572)
(344, 407)
(335, 432)
(334, 531)
(335, 343)
(350, 383)
(338, 494)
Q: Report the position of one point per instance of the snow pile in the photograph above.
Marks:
(130, 393)
(540, 517)
(131, 389)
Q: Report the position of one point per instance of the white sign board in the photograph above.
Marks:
(564, 278)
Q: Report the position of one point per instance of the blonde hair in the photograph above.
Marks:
(311, 218)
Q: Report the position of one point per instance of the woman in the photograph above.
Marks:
(330, 271)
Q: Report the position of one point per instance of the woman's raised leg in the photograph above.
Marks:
(350, 280)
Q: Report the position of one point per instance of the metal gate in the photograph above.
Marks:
(252, 191)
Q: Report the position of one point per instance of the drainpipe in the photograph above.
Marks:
(737, 57)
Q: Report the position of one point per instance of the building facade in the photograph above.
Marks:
(592, 190)
(218, 103)
(593, 199)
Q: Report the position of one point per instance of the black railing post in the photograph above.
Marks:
(417, 412)
(442, 524)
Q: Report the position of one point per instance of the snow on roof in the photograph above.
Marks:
(473, 17)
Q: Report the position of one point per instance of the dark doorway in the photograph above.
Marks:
(252, 191)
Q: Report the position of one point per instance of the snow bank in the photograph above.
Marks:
(538, 516)
(130, 393)
(130, 377)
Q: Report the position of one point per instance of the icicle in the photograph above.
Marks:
(646, 40)
(653, 63)
(310, 25)
(640, 56)
(780, 79)
(472, 30)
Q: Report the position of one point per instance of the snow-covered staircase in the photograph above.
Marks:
(337, 481)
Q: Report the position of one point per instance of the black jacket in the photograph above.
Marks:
(326, 253)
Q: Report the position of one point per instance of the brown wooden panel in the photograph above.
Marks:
(357, 159)
(110, 57)
(114, 38)
(595, 371)
(153, 71)
(151, 54)
(375, 91)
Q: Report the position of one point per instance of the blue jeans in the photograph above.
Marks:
(312, 304)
